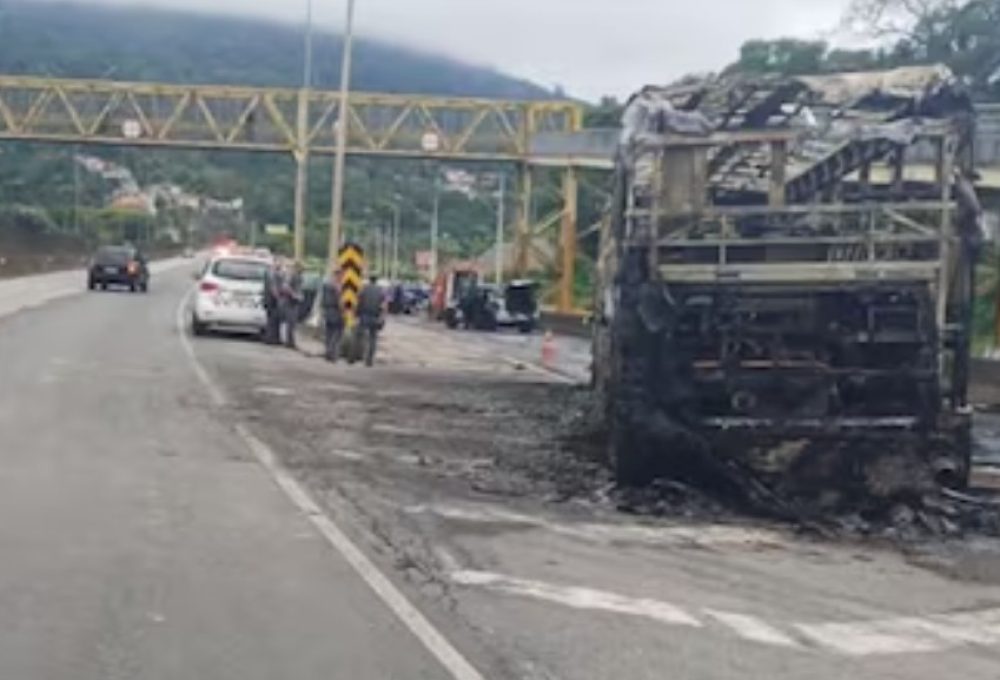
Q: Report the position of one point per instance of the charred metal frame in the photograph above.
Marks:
(802, 319)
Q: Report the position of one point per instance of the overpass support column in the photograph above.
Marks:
(567, 240)
(523, 236)
(301, 155)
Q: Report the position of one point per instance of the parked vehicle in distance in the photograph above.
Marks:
(118, 266)
(489, 307)
(230, 295)
(406, 298)
(449, 289)
(519, 308)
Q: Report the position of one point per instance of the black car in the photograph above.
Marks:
(118, 265)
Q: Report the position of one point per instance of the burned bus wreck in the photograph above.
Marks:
(786, 285)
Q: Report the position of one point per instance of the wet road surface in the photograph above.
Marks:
(140, 539)
(143, 538)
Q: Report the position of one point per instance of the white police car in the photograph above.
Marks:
(230, 294)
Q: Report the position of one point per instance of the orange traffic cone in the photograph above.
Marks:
(548, 349)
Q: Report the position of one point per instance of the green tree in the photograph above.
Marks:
(784, 55)
(963, 35)
(607, 113)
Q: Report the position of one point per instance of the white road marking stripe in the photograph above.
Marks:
(432, 639)
(900, 635)
(346, 454)
(979, 628)
(907, 634)
(578, 598)
(213, 391)
(272, 391)
(752, 628)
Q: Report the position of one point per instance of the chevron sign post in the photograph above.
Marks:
(351, 261)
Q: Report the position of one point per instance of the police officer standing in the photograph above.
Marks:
(291, 302)
(333, 315)
(370, 317)
(273, 281)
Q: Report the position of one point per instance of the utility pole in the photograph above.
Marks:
(302, 142)
(395, 241)
(435, 225)
(337, 207)
(386, 243)
(498, 258)
(76, 192)
(307, 67)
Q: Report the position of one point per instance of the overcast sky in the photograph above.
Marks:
(590, 47)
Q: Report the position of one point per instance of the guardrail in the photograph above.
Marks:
(576, 324)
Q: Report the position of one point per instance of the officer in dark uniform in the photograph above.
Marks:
(333, 315)
(290, 302)
(370, 317)
(272, 287)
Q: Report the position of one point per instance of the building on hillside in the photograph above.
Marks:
(138, 202)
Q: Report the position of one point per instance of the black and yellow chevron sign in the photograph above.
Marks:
(351, 261)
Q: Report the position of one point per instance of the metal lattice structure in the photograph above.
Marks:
(272, 119)
(301, 122)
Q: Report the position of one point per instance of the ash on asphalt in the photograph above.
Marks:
(498, 437)
(398, 436)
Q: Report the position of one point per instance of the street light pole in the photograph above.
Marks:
(337, 208)
(435, 225)
(76, 191)
(308, 65)
(395, 241)
(386, 269)
(302, 141)
(501, 219)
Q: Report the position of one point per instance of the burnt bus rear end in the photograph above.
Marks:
(820, 382)
(790, 306)
(845, 388)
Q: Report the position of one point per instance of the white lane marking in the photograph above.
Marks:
(214, 393)
(976, 628)
(702, 536)
(752, 628)
(272, 391)
(907, 634)
(867, 638)
(885, 637)
(578, 597)
(346, 454)
(432, 639)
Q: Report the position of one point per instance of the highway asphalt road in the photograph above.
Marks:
(148, 530)
(140, 538)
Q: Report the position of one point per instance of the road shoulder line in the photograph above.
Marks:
(407, 613)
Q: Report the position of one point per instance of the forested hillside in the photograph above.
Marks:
(70, 40)
(73, 40)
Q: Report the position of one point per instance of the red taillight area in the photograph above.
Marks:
(133, 267)
(208, 287)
